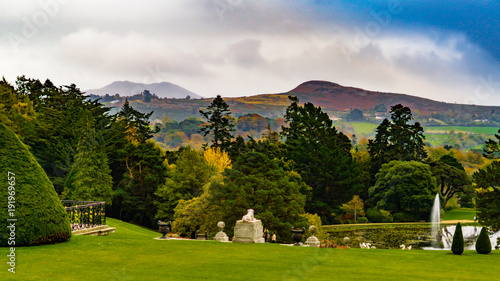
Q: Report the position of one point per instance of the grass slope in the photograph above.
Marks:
(132, 254)
(459, 214)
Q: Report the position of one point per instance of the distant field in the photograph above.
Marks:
(457, 129)
(363, 128)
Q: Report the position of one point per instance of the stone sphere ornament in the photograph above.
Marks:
(347, 240)
(221, 225)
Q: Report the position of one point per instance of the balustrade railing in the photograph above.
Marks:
(85, 214)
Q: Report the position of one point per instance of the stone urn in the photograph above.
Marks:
(313, 241)
(164, 228)
(298, 233)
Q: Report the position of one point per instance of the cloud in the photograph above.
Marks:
(242, 47)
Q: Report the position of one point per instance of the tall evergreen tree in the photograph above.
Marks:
(90, 176)
(322, 156)
(397, 139)
(219, 125)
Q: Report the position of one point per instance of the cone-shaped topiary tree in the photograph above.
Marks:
(457, 245)
(30, 210)
(483, 243)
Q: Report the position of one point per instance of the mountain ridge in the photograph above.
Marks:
(128, 88)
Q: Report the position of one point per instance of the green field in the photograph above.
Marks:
(132, 254)
(459, 214)
(463, 129)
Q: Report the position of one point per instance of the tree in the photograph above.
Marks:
(145, 172)
(380, 108)
(487, 182)
(397, 139)
(185, 181)
(483, 243)
(90, 177)
(355, 115)
(492, 149)
(457, 245)
(355, 207)
(59, 124)
(220, 124)
(450, 179)
(405, 187)
(322, 156)
(257, 182)
(27, 196)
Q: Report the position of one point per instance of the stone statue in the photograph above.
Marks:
(249, 216)
(248, 229)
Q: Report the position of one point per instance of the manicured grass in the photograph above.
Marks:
(459, 214)
(132, 254)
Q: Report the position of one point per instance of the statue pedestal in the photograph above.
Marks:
(248, 232)
(221, 236)
(312, 241)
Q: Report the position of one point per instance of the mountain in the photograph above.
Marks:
(127, 88)
(334, 99)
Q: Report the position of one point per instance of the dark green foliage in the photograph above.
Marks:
(355, 115)
(41, 218)
(492, 149)
(457, 245)
(488, 196)
(405, 187)
(58, 125)
(397, 139)
(185, 181)
(135, 195)
(483, 243)
(380, 108)
(257, 182)
(322, 156)
(89, 178)
(220, 124)
(451, 178)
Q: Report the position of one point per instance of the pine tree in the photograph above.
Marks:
(457, 245)
(90, 176)
(483, 243)
(220, 124)
(322, 155)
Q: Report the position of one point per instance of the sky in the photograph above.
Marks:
(443, 50)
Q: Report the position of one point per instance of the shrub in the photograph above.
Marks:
(483, 244)
(362, 220)
(457, 246)
(405, 217)
(374, 215)
(41, 218)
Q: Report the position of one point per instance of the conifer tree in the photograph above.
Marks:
(220, 124)
(90, 176)
(457, 245)
(483, 243)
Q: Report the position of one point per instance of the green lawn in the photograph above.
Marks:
(132, 254)
(459, 214)
(458, 129)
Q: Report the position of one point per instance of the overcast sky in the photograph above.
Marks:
(443, 50)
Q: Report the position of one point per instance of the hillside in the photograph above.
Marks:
(127, 88)
(333, 98)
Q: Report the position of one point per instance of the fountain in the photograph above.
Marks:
(436, 219)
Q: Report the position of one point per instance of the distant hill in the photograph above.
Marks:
(333, 98)
(127, 88)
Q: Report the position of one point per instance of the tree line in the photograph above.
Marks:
(308, 168)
